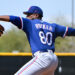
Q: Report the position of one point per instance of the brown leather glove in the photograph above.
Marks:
(1, 29)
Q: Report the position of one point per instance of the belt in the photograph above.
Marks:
(48, 51)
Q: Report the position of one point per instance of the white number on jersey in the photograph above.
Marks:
(46, 38)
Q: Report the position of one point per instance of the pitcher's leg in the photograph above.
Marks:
(30, 68)
(51, 67)
(41, 64)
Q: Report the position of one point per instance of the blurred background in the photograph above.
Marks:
(55, 11)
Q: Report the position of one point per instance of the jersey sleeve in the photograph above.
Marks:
(71, 32)
(61, 30)
(21, 23)
(16, 21)
(26, 25)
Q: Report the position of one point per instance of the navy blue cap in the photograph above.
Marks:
(34, 9)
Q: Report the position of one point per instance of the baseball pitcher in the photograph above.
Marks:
(41, 36)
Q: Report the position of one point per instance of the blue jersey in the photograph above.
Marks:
(41, 35)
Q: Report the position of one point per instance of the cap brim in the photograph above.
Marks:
(25, 12)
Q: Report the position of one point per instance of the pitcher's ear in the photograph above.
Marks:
(37, 15)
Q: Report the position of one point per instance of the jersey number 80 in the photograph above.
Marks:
(46, 38)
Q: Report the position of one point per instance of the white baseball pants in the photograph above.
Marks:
(43, 63)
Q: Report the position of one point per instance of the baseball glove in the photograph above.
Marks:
(1, 29)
